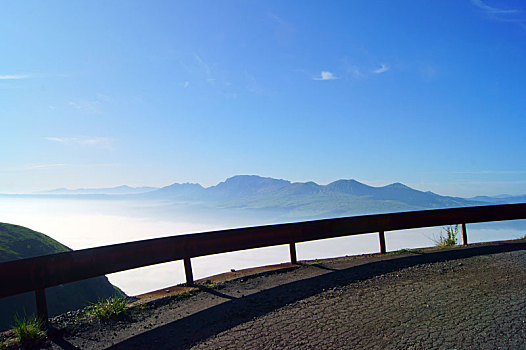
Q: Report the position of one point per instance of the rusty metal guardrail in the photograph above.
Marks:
(38, 273)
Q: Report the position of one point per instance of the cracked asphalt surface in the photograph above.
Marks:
(463, 298)
(478, 303)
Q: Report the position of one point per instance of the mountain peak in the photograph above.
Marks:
(397, 185)
(352, 187)
(246, 185)
(252, 178)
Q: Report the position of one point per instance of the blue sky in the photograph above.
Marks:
(104, 93)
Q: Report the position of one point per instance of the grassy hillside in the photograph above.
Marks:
(17, 242)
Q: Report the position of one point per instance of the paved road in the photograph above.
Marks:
(475, 303)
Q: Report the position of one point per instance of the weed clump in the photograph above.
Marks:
(406, 250)
(28, 330)
(108, 308)
(448, 237)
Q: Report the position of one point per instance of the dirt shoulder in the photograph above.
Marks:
(464, 297)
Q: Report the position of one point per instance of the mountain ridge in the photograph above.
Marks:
(283, 200)
(122, 189)
(241, 187)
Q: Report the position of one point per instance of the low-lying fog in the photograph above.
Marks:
(90, 223)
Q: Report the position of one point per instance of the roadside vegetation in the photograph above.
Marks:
(108, 308)
(27, 332)
(406, 250)
(448, 237)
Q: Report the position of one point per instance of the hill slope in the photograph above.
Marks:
(17, 242)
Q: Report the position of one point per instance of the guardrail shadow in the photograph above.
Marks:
(187, 331)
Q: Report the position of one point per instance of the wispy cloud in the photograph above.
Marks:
(104, 142)
(383, 68)
(284, 32)
(83, 105)
(277, 19)
(16, 76)
(58, 166)
(509, 15)
(43, 166)
(353, 71)
(491, 172)
(493, 10)
(205, 67)
(56, 139)
(203, 73)
(326, 75)
(30, 167)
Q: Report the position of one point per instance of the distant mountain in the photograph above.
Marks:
(500, 199)
(17, 242)
(281, 200)
(245, 185)
(232, 188)
(396, 192)
(112, 190)
(293, 200)
(177, 191)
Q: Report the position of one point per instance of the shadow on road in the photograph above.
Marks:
(185, 332)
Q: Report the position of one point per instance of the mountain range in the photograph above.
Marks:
(286, 200)
(111, 190)
(252, 187)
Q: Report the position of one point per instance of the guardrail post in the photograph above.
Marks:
(40, 297)
(188, 272)
(382, 242)
(293, 258)
(464, 234)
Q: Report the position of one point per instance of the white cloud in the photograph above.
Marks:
(326, 75)
(84, 105)
(276, 18)
(383, 68)
(43, 166)
(492, 10)
(284, 32)
(103, 142)
(30, 167)
(15, 76)
(94, 141)
(56, 139)
(491, 172)
(205, 67)
(354, 71)
(186, 84)
(509, 15)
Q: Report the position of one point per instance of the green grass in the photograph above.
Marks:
(17, 242)
(28, 329)
(448, 237)
(108, 308)
(184, 295)
(405, 250)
